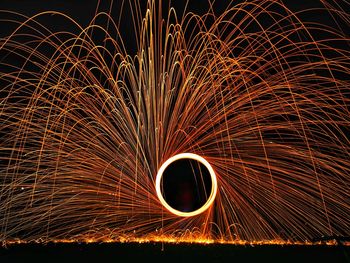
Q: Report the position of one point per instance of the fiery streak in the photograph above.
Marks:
(214, 186)
(85, 126)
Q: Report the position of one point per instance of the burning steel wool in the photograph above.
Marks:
(231, 127)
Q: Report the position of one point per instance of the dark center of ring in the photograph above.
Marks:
(186, 185)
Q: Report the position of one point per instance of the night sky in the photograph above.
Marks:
(83, 11)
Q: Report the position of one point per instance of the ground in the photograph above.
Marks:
(160, 252)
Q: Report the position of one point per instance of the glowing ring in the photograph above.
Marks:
(214, 184)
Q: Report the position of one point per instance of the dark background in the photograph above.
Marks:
(83, 11)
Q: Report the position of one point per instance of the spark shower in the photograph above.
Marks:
(260, 92)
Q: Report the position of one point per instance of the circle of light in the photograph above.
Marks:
(214, 184)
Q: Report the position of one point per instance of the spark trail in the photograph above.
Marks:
(258, 91)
